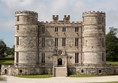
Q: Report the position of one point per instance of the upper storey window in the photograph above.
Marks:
(76, 29)
(56, 41)
(17, 18)
(56, 29)
(43, 30)
(76, 41)
(17, 40)
(17, 27)
(63, 29)
(63, 41)
(43, 42)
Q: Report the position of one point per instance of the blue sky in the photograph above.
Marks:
(47, 8)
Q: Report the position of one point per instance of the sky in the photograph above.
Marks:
(47, 8)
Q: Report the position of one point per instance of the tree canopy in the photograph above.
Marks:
(2, 48)
(112, 45)
(5, 50)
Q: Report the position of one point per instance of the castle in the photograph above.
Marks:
(59, 47)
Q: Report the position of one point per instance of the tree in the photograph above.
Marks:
(12, 50)
(2, 48)
(112, 45)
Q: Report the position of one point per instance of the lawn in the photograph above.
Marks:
(82, 75)
(35, 76)
(9, 56)
(112, 63)
(105, 82)
(2, 79)
(6, 62)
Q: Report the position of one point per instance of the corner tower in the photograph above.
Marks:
(26, 38)
(94, 38)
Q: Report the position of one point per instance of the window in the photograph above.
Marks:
(17, 27)
(76, 29)
(17, 57)
(63, 29)
(56, 41)
(82, 71)
(43, 29)
(76, 41)
(63, 41)
(43, 42)
(20, 71)
(56, 29)
(43, 58)
(102, 56)
(17, 18)
(17, 40)
(76, 57)
(103, 42)
(100, 71)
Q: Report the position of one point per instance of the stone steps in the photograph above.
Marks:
(60, 71)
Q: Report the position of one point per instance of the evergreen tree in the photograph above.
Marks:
(112, 45)
(2, 48)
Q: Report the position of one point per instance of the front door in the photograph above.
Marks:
(5, 71)
(59, 61)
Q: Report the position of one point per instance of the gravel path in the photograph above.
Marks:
(11, 79)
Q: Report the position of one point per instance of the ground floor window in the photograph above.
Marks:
(76, 57)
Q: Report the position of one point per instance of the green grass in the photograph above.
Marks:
(2, 79)
(112, 63)
(9, 56)
(82, 75)
(6, 62)
(105, 82)
(35, 76)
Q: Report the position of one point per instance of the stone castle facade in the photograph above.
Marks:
(60, 47)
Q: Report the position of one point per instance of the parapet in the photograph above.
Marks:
(55, 18)
(66, 18)
(93, 13)
(26, 12)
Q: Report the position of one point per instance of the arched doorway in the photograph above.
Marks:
(6, 72)
(59, 61)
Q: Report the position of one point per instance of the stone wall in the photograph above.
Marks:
(94, 70)
(26, 38)
(94, 38)
(17, 70)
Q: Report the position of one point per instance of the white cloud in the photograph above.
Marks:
(46, 8)
(7, 25)
(16, 4)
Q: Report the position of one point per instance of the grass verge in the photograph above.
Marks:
(112, 63)
(6, 62)
(82, 75)
(2, 78)
(35, 76)
(104, 82)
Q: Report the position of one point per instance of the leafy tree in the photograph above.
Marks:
(12, 50)
(8, 51)
(2, 48)
(112, 45)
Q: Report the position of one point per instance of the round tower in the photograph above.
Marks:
(26, 38)
(94, 38)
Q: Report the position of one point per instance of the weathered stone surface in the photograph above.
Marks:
(36, 53)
